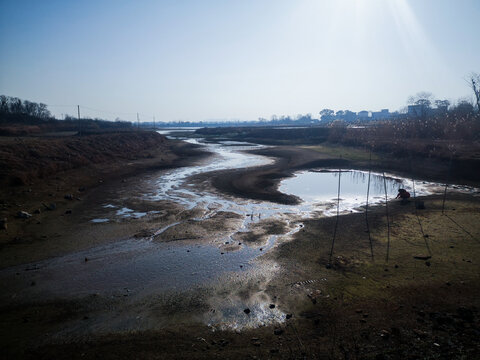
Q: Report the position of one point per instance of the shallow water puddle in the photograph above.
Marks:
(320, 188)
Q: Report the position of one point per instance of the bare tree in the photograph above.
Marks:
(421, 98)
(475, 85)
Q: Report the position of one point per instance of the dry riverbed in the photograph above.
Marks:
(278, 301)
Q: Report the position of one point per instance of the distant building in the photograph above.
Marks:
(363, 115)
(381, 115)
(417, 110)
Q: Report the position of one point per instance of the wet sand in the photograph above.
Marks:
(360, 307)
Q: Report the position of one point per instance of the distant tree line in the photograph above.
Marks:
(16, 106)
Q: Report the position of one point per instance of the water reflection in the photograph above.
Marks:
(317, 188)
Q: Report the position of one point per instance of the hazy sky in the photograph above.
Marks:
(244, 59)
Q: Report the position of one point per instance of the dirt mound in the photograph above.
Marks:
(26, 159)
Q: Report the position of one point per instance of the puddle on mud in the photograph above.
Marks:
(319, 189)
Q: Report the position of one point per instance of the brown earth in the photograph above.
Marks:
(360, 308)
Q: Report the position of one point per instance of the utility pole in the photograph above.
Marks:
(154, 122)
(79, 123)
(138, 123)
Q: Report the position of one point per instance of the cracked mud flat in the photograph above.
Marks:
(185, 255)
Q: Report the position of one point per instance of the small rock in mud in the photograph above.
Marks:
(272, 306)
(68, 197)
(246, 311)
(261, 249)
(427, 263)
(51, 206)
(68, 211)
(384, 334)
(278, 331)
(288, 316)
(23, 215)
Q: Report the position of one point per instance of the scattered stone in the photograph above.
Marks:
(363, 321)
(226, 242)
(86, 259)
(222, 253)
(288, 316)
(223, 342)
(23, 215)
(420, 257)
(427, 263)
(51, 206)
(396, 266)
(261, 249)
(3, 224)
(451, 246)
(68, 197)
(328, 266)
(384, 334)
(278, 331)
(241, 266)
(68, 211)
(359, 311)
(421, 334)
(239, 243)
(365, 315)
(274, 351)
(81, 189)
(246, 311)
(272, 306)
(426, 236)
(33, 283)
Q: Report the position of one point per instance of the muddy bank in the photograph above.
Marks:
(360, 308)
(284, 304)
(59, 205)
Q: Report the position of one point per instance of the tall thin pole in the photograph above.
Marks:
(446, 184)
(336, 221)
(366, 206)
(79, 122)
(388, 220)
(138, 122)
(153, 122)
